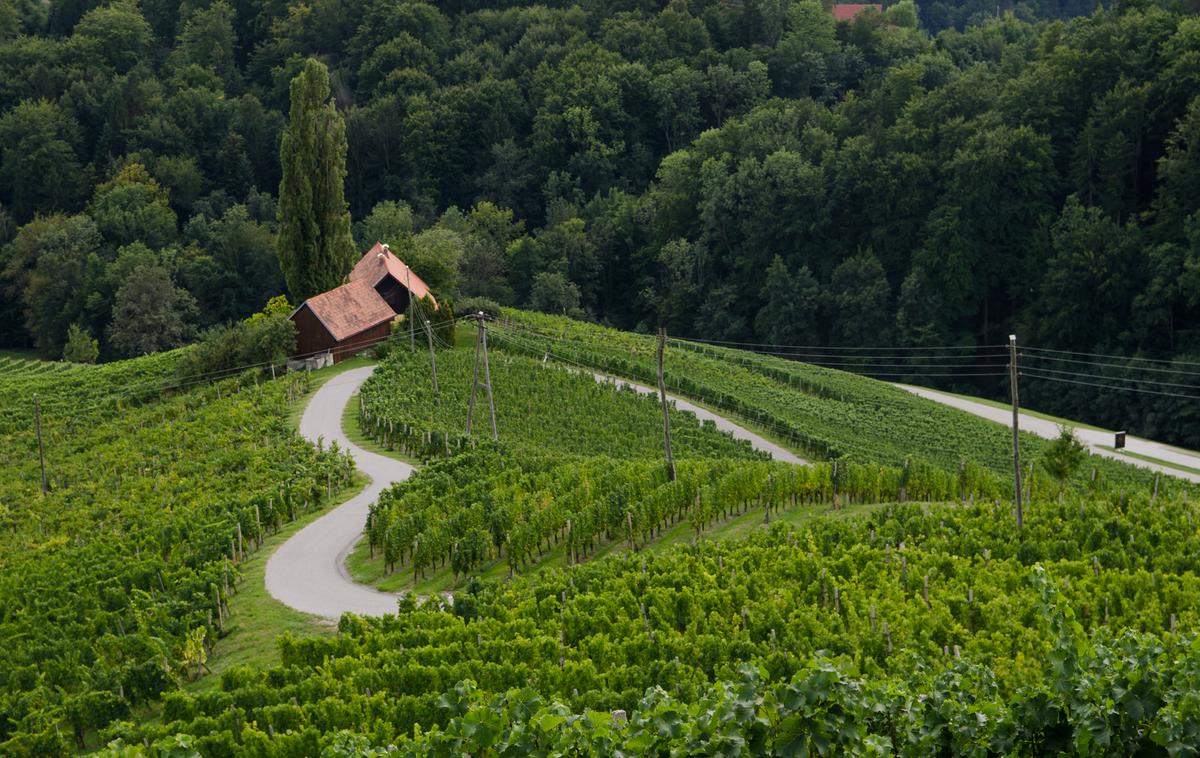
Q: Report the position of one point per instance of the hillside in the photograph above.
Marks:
(116, 582)
(584, 580)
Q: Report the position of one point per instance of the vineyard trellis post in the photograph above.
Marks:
(481, 350)
(1016, 407)
(662, 397)
(37, 421)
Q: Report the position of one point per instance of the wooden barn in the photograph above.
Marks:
(358, 314)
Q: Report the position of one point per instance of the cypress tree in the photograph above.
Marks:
(314, 244)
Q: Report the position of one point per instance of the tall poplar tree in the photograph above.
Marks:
(315, 248)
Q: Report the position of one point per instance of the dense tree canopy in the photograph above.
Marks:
(939, 174)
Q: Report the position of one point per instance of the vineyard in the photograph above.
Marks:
(904, 613)
(824, 413)
(116, 584)
(538, 407)
(921, 628)
(489, 506)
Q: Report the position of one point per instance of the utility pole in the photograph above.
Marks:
(481, 350)
(1016, 409)
(432, 357)
(662, 397)
(412, 312)
(37, 420)
(437, 395)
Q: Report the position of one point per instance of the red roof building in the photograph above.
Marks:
(359, 313)
(378, 263)
(847, 11)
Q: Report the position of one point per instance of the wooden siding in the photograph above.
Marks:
(312, 337)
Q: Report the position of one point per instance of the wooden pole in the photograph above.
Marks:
(432, 357)
(487, 376)
(412, 313)
(1016, 433)
(662, 397)
(475, 377)
(37, 420)
(437, 396)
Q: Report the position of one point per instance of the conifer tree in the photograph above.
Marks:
(315, 248)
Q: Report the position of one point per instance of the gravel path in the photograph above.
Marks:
(308, 572)
(1090, 437)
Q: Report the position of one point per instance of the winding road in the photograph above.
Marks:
(308, 572)
(1098, 442)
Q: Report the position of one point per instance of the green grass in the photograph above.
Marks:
(363, 568)
(353, 431)
(1151, 459)
(255, 618)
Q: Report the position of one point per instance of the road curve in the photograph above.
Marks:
(741, 433)
(1094, 439)
(308, 572)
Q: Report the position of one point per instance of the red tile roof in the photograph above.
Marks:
(349, 309)
(847, 11)
(380, 261)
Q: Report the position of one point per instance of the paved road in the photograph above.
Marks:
(724, 424)
(1092, 438)
(308, 572)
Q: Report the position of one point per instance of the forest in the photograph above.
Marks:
(934, 176)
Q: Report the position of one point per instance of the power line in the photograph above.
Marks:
(1113, 357)
(900, 370)
(831, 347)
(785, 432)
(1109, 386)
(1118, 379)
(1108, 365)
(855, 357)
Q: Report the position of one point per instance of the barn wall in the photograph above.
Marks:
(364, 340)
(311, 335)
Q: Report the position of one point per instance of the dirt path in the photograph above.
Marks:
(308, 572)
(1092, 438)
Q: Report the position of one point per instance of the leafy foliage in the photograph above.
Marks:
(826, 413)
(538, 408)
(917, 629)
(119, 577)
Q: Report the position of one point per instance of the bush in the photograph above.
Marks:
(470, 305)
(264, 338)
(80, 347)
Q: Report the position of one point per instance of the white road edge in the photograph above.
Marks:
(308, 572)
(1098, 442)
